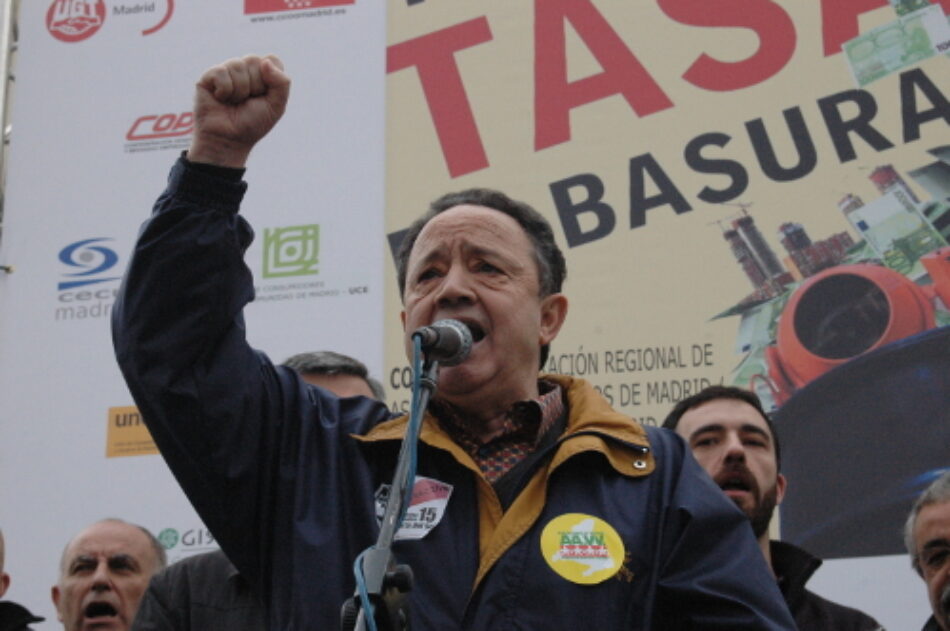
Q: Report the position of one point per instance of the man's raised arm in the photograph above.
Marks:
(212, 403)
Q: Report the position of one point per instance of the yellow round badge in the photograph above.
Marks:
(582, 548)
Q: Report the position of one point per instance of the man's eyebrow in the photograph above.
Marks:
(755, 429)
(712, 427)
(123, 558)
(438, 253)
(80, 559)
(941, 542)
(717, 427)
(497, 254)
(83, 557)
(434, 253)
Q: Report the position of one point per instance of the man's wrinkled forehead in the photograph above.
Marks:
(466, 219)
(721, 413)
(106, 538)
(476, 230)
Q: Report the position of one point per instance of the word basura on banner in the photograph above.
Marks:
(841, 130)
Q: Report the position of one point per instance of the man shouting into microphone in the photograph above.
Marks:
(546, 509)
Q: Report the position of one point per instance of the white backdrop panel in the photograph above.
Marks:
(74, 176)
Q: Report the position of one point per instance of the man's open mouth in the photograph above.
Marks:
(736, 479)
(736, 483)
(478, 334)
(100, 610)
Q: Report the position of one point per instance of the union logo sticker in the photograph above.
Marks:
(582, 548)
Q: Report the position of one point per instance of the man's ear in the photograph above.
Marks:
(780, 484)
(553, 314)
(55, 593)
(4, 583)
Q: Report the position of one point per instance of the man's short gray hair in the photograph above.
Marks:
(330, 363)
(937, 493)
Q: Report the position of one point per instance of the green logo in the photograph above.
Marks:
(574, 538)
(168, 538)
(291, 251)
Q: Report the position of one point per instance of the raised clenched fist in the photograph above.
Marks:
(236, 104)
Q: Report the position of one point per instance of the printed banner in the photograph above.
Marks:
(751, 193)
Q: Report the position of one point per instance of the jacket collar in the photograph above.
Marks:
(589, 412)
(590, 421)
(931, 625)
(792, 567)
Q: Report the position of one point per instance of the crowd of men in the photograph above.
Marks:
(545, 508)
(114, 575)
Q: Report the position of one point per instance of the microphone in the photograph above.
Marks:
(446, 341)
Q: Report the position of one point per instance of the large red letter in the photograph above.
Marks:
(434, 57)
(769, 21)
(555, 97)
(839, 21)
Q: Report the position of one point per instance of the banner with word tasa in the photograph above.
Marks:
(102, 108)
(747, 192)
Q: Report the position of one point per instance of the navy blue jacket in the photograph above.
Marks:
(284, 474)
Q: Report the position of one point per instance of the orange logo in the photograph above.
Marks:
(127, 435)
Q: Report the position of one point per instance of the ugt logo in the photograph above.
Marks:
(75, 20)
(291, 251)
(91, 259)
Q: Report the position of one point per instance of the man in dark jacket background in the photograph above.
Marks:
(735, 442)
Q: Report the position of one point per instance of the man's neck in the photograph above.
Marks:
(766, 551)
(484, 418)
(482, 423)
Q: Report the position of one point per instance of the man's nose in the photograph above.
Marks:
(101, 580)
(735, 450)
(456, 288)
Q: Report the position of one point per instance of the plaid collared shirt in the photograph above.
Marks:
(525, 425)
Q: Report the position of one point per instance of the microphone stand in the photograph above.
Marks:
(386, 582)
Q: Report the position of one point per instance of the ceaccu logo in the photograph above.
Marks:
(88, 264)
(273, 6)
(75, 20)
(291, 251)
(152, 132)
